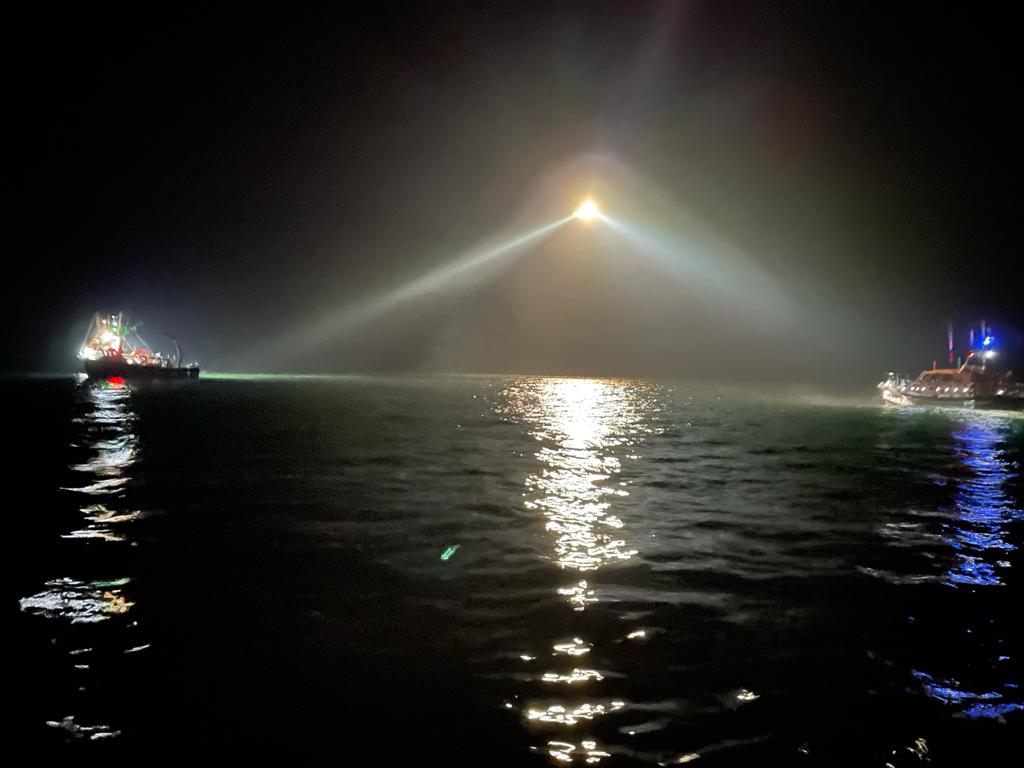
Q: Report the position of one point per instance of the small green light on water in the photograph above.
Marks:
(447, 554)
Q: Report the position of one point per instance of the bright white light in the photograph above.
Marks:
(989, 354)
(588, 210)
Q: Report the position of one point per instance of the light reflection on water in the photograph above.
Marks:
(566, 752)
(78, 601)
(983, 508)
(568, 715)
(576, 676)
(582, 426)
(101, 522)
(90, 732)
(599, 657)
(105, 434)
(585, 429)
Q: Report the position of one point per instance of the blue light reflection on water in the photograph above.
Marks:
(975, 705)
(978, 535)
(983, 507)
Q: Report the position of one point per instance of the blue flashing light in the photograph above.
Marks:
(987, 342)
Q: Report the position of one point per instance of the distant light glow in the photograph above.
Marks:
(447, 554)
(587, 210)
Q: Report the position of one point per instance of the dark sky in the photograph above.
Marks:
(229, 178)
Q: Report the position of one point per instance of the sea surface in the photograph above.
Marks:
(510, 571)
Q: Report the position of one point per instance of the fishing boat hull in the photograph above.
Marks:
(106, 369)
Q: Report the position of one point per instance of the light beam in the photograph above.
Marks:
(457, 273)
(707, 264)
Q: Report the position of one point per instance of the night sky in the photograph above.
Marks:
(230, 178)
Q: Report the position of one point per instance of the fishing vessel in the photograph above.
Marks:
(982, 381)
(113, 348)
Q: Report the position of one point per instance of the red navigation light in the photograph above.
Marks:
(116, 381)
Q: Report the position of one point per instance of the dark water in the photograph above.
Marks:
(511, 571)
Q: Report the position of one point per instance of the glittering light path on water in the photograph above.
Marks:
(983, 508)
(585, 428)
(108, 450)
(580, 424)
(978, 535)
